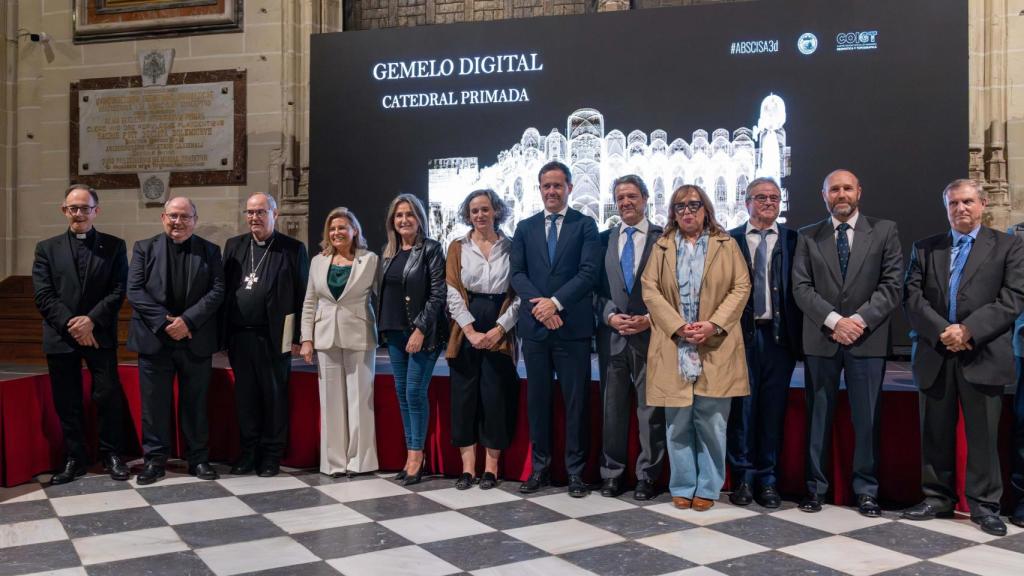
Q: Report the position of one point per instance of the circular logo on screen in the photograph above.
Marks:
(807, 43)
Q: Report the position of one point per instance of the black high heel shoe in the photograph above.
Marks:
(411, 479)
(401, 475)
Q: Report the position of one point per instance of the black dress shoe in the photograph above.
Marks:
(411, 479)
(990, 524)
(925, 511)
(868, 506)
(150, 473)
(610, 488)
(243, 466)
(203, 471)
(465, 481)
(269, 469)
(742, 495)
(768, 497)
(577, 487)
(810, 503)
(644, 490)
(72, 469)
(533, 483)
(116, 467)
(488, 481)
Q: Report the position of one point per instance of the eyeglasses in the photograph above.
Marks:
(765, 199)
(78, 209)
(183, 218)
(691, 206)
(254, 213)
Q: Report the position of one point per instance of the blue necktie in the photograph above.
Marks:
(843, 245)
(628, 254)
(761, 274)
(964, 244)
(553, 236)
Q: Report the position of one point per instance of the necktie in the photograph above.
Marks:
(843, 245)
(761, 274)
(628, 254)
(553, 236)
(964, 244)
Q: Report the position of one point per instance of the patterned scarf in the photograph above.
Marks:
(689, 273)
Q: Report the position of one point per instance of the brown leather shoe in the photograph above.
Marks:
(681, 503)
(702, 504)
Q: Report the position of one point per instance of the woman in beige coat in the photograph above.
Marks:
(338, 323)
(695, 287)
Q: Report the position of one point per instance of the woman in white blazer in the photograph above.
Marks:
(338, 322)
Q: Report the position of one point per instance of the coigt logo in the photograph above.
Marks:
(866, 40)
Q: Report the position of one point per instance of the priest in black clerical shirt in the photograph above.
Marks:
(78, 278)
(175, 287)
(266, 274)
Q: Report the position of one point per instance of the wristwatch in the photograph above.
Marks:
(718, 330)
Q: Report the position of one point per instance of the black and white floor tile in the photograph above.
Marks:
(304, 523)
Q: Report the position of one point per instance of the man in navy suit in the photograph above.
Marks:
(79, 277)
(175, 287)
(772, 325)
(555, 258)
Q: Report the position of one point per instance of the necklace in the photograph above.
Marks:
(254, 267)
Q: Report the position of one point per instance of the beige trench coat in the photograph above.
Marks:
(724, 291)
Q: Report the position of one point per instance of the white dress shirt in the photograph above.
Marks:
(485, 276)
(753, 241)
(639, 240)
(834, 317)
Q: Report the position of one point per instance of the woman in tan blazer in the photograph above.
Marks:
(695, 287)
(339, 323)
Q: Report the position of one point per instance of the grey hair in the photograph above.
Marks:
(195, 211)
(497, 204)
(961, 183)
(757, 182)
(630, 179)
(270, 200)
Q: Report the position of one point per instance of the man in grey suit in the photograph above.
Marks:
(964, 289)
(847, 277)
(1017, 478)
(623, 332)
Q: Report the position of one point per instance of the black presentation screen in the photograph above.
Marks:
(714, 95)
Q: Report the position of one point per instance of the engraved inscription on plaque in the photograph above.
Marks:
(175, 128)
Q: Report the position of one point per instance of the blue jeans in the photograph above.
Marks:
(696, 447)
(412, 381)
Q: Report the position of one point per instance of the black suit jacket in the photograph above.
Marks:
(425, 292)
(570, 277)
(148, 288)
(989, 299)
(1018, 327)
(787, 319)
(61, 295)
(611, 296)
(286, 269)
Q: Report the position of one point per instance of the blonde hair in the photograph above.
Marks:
(394, 242)
(341, 212)
(710, 223)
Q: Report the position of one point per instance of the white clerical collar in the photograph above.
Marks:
(262, 242)
(81, 236)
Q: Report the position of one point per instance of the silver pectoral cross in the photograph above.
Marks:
(250, 280)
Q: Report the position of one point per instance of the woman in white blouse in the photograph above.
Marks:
(481, 348)
(339, 323)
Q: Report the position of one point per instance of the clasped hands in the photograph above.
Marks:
(696, 332)
(627, 325)
(177, 328)
(483, 340)
(545, 311)
(80, 328)
(847, 331)
(956, 338)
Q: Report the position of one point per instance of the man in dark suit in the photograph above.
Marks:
(265, 273)
(175, 287)
(79, 278)
(771, 334)
(964, 289)
(623, 332)
(1017, 478)
(847, 277)
(554, 262)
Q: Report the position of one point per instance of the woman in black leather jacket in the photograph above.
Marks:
(411, 319)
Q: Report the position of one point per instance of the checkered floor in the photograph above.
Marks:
(304, 523)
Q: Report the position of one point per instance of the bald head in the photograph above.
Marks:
(261, 215)
(841, 192)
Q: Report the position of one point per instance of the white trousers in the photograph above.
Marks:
(348, 438)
